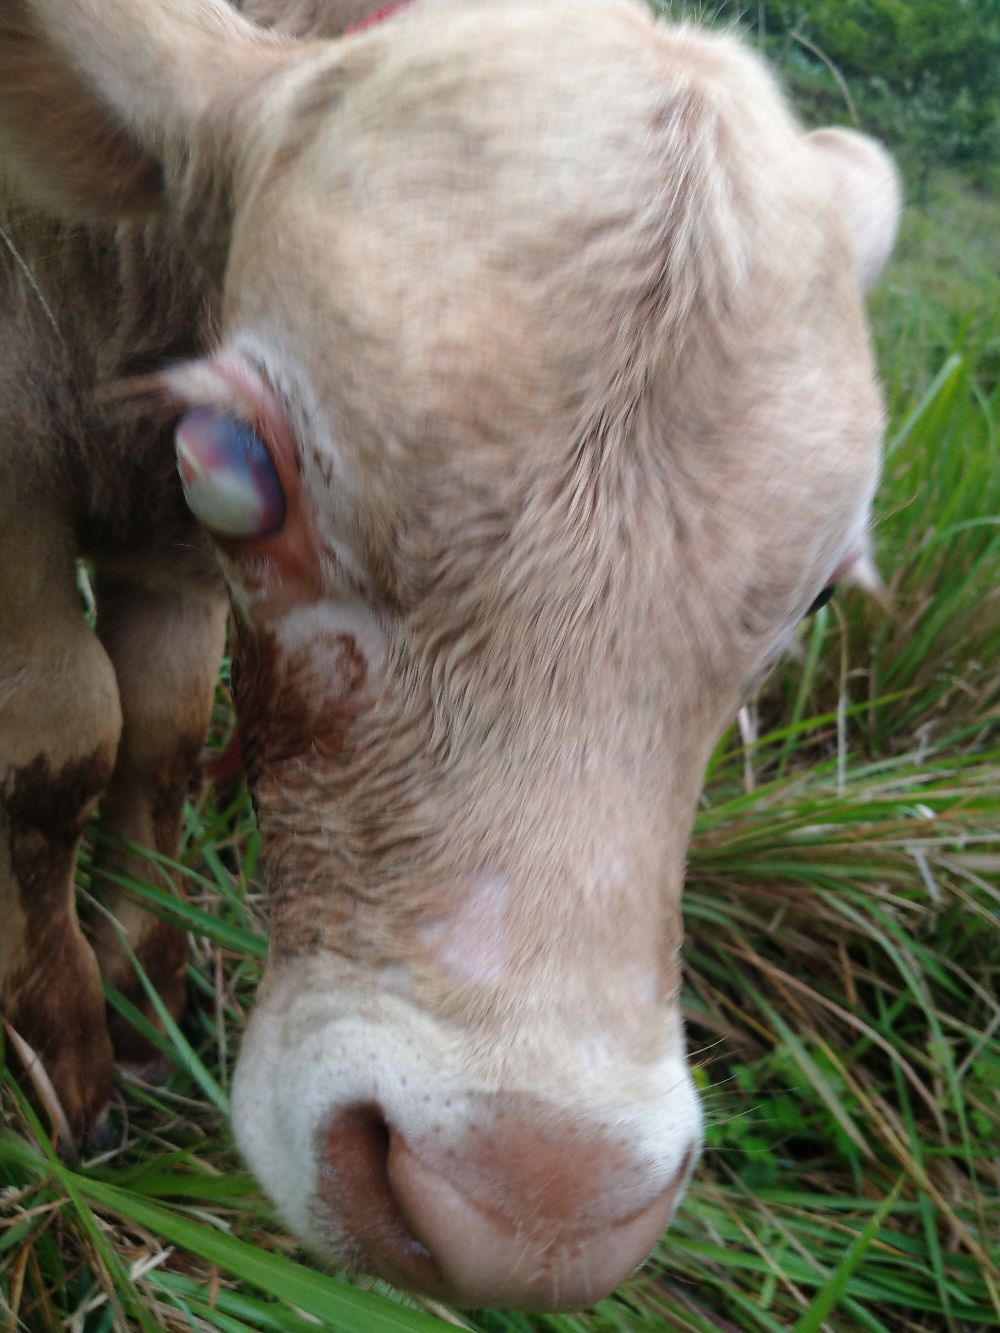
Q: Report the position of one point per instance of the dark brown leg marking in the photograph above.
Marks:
(52, 994)
(59, 727)
(165, 646)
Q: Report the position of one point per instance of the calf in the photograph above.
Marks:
(523, 390)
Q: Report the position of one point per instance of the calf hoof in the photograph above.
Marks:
(155, 1070)
(162, 956)
(101, 1138)
(133, 1049)
(68, 1084)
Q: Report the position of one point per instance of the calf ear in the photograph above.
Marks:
(113, 107)
(63, 143)
(867, 191)
(328, 18)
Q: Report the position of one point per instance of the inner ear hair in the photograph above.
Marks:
(67, 151)
(868, 193)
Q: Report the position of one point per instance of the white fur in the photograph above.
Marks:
(473, 944)
(316, 1045)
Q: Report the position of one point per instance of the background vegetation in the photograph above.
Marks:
(922, 74)
(843, 908)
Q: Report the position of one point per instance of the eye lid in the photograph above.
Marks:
(232, 385)
(198, 386)
(821, 598)
(855, 569)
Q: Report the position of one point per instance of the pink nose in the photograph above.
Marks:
(520, 1209)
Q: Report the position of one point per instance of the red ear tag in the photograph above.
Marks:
(380, 15)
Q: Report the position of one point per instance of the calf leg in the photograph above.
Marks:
(59, 727)
(165, 645)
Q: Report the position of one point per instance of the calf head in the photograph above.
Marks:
(543, 407)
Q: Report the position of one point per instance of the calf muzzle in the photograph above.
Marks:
(527, 1209)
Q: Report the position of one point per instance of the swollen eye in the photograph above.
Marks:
(229, 480)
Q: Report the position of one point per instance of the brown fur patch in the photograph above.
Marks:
(48, 812)
(159, 946)
(293, 704)
(175, 781)
(53, 996)
(54, 1000)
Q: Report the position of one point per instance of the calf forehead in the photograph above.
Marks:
(473, 267)
(451, 214)
(497, 187)
(481, 234)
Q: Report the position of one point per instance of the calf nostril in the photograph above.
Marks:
(356, 1197)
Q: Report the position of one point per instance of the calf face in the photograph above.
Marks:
(547, 319)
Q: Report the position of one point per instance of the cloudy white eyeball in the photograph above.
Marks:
(229, 479)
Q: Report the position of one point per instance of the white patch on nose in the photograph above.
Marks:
(319, 1043)
(596, 1057)
(642, 984)
(473, 943)
(395, 977)
(609, 872)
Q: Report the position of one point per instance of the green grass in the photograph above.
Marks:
(843, 958)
